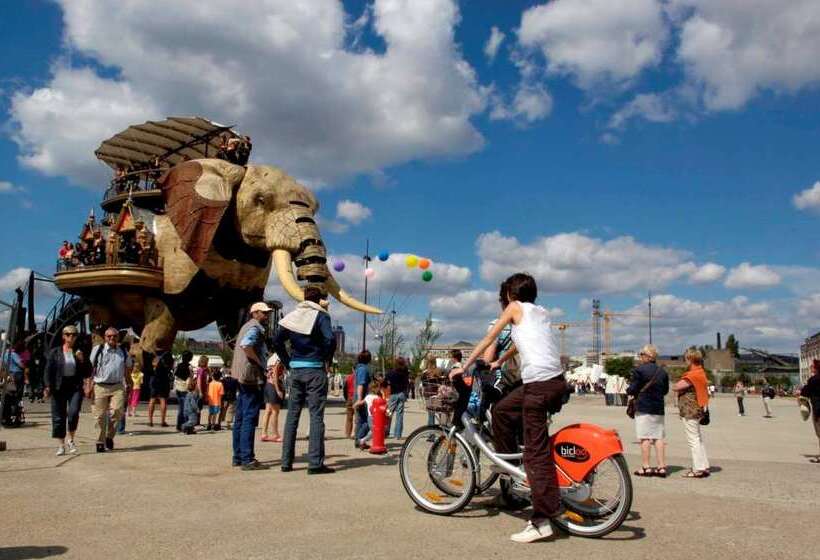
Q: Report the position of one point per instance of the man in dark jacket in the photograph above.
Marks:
(649, 386)
(312, 344)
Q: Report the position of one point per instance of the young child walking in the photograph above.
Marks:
(192, 409)
(136, 383)
(215, 393)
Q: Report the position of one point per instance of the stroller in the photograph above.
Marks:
(12, 414)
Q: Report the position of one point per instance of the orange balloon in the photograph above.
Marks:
(424, 264)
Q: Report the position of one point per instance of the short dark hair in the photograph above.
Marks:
(187, 356)
(503, 296)
(401, 363)
(456, 355)
(521, 287)
(217, 375)
(364, 357)
(314, 294)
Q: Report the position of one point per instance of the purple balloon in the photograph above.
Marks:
(338, 266)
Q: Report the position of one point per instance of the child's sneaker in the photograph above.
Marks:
(60, 451)
(72, 447)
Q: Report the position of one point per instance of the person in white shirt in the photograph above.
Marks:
(543, 389)
(109, 362)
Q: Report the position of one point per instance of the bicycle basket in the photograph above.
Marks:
(439, 396)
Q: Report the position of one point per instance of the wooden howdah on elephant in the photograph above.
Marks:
(221, 228)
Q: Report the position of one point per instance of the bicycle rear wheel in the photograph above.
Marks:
(602, 501)
(438, 474)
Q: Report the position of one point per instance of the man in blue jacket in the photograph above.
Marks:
(312, 345)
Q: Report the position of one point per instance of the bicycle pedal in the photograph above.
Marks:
(572, 516)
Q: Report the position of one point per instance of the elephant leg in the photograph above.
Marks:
(160, 327)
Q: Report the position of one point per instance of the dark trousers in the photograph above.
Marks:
(740, 408)
(362, 427)
(181, 415)
(248, 399)
(65, 408)
(307, 386)
(507, 418)
(539, 398)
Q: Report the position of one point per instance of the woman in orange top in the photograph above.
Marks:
(693, 398)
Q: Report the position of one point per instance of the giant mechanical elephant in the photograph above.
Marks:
(223, 227)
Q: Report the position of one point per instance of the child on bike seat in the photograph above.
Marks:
(542, 390)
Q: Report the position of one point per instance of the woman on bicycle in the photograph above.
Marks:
(542, 390)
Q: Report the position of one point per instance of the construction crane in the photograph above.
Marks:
(562, 332)
(608, 315)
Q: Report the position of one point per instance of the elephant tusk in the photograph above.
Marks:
(348, 300)
(284, 270)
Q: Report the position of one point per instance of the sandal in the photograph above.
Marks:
(696, 474)
(661, 472)
(645, 471)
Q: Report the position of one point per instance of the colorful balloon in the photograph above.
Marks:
(338, 266)
(411, 261)
(369, 272)
(384, 255)
(427, 276)
(424, 264)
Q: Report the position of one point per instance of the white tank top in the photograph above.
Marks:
(533, 337)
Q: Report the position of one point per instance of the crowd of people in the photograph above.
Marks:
(100, 245)
(519, 346)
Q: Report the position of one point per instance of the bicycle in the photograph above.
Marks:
(443, 467)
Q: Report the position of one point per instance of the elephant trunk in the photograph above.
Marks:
(311, 265)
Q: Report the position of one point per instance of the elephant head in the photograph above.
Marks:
(272, 214)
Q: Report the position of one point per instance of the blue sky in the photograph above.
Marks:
(614, 147)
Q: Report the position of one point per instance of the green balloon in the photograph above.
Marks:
(427, 276)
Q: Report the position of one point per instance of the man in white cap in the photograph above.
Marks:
(248, 367)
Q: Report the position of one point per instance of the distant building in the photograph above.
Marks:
(339, 335)
(809, 350)
(673, 361)
(442, 351)
(720, 362)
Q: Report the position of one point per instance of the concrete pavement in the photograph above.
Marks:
(161, 494)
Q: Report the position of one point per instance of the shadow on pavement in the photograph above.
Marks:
(366, 460)
(27, 552)
(148, 447)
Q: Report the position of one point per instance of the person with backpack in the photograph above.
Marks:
(768, 394)
(109, 363)
(649, 386)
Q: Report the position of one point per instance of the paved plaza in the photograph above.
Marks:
(163, 495)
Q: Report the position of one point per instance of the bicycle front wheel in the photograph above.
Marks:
(437, 473)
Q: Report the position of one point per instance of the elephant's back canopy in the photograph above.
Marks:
(172, 141)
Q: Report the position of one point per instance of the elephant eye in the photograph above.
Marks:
(260, 200)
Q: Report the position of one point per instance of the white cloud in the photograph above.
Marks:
(6, 187)
(493, 43)
(810, 306)
(573, 262)
(353, 212)
(734, 49)
(14, 278)
(709, 272)
(59, 126)
(283, 72)
(651, 107)
(746, 276)
(808, 199)
(596, 41)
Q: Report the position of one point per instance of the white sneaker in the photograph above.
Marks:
(60, 451)
(533, 533)
(72, 447)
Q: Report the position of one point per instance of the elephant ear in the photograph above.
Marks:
(197, 194)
